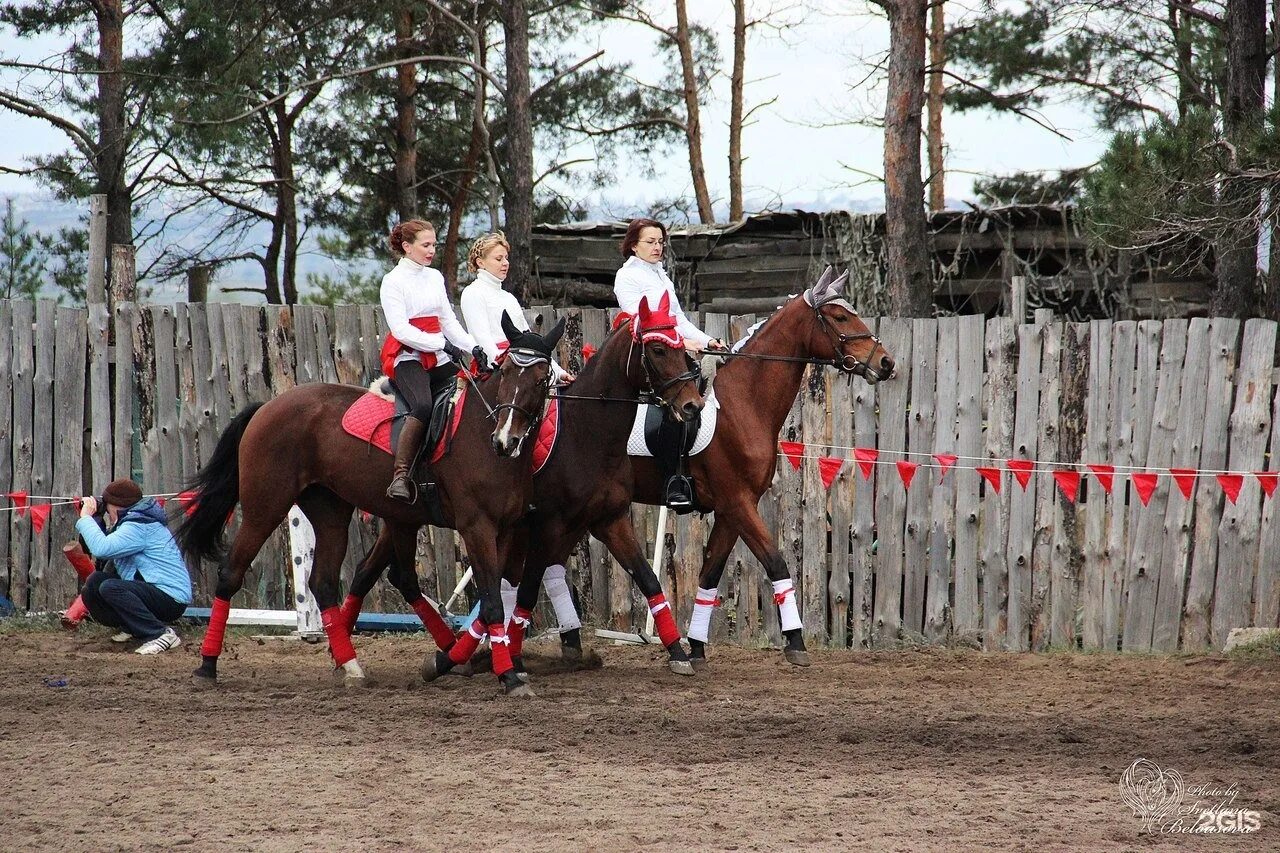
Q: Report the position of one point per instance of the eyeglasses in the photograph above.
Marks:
(653, 242)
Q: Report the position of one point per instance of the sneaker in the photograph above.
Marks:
(163, 643)
(121, 637)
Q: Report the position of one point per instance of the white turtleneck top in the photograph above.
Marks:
(411, 291)
(637, 279)
(483, 303)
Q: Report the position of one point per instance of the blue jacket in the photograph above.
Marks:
(141, 544)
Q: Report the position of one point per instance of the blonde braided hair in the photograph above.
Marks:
(482, 246)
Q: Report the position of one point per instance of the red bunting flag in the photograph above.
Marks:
(1145, 484)
(1069, 482)
(1268, 481)
(1231, 484)
(794, 451)
(40, 515)
(19, 502)
(1021, 469)
(907, 471)
(1106, 475)
(1186, 480)
(866, 457)
(587, 351)
(188, 501)
(992, 476)
(828, 468)
(946, 460)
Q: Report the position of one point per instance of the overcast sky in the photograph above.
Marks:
(812, 72)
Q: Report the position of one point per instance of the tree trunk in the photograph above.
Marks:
(1180, 28)
(111, 155)
(735, 109)
(693, 121)
(458, 202)
(937, 61)
(517, 201)
(1238, 292)
(406, 119)
(908, 285)
(287, 205)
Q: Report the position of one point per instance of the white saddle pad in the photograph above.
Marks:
(636, 445)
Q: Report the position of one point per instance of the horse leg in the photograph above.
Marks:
(756, 535)
(619, 536)
(567, 618)
(714, 557)
(330, 516)
(367, 573)
(249, 540)
(404, 576)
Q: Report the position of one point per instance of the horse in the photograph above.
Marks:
(293, 449)
(585, 483)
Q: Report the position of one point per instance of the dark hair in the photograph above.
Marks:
(633, 234)
(407, 232)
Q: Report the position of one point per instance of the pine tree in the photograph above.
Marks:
(21, 258)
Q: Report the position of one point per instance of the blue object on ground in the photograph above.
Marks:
(6, 607)
(404, 622)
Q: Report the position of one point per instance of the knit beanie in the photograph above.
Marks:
(123, 492)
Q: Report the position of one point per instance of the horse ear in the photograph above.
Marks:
(664, 304)
(837, 287)
(553, 337)
(509, 328)
(644, 311)
(813, 295)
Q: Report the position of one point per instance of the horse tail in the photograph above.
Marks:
(216, 492)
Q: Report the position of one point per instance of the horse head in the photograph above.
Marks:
(670, 372)
(524, 378)
(839, 333)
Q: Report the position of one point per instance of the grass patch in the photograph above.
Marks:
(1266, 648)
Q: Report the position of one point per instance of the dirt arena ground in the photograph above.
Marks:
(908, 750)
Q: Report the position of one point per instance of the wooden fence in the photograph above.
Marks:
(85, 397)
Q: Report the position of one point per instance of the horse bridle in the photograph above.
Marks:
(648, 395)
(848, 364)
(522, 357)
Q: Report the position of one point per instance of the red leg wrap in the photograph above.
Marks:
(335, 628)
(501, 647)
(440, 630)
(465, 647)
(79, 560)
(351, 606)
(515, 631)
(217, 631)
(663, 621)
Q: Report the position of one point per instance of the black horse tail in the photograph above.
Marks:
(217, 491)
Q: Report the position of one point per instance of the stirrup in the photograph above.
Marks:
(679, 492)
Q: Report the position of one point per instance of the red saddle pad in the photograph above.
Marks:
(369, 419)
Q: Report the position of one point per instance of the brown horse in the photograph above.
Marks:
(293, 449)
(755, 391)
(585, 484)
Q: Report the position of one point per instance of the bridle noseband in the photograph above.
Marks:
(849, 364)
(654, 395)
(522, 357)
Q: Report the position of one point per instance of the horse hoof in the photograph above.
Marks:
(681, 667)
(200, 681)
(466, 670)
(571, 654)
(521, 691)
(796, 657)
(430, 669)
(523, 676)
(355, 682)
(699, 664)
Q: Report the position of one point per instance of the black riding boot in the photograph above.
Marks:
(402, 487)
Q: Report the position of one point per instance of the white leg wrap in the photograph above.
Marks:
(508, 601)
(700, 621)
(561, 598)
(784, 593)
(353, 668)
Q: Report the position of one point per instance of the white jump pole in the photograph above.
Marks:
(659, 557)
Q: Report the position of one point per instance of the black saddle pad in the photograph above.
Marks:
(667, 438)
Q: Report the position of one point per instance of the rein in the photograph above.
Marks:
(849, 364)
(522, 358)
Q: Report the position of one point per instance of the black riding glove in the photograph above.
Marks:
(456, 353)
(482, 359)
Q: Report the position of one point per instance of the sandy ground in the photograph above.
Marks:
(904, 750)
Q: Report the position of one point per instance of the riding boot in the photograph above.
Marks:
(402, 487)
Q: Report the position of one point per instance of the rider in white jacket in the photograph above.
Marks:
(642, 275)
(425, 345)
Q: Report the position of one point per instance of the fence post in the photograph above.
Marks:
(124, 275)
(198, 284)
(1018, 298)
(95, 288)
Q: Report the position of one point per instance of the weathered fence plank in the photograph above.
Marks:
(23, 368)
(1022, 500)
(99, 438)
(1224, 338)
(814, 567)
(1067, 560)
(42, 585)
(890, 502)
(68, 446)
(840, 498)
(1120, 452)
(7, 564)
(920, 432)
(1097, 559)
(1144, 555)
(862, 548)
(126, 315)
(164, 442)
(941, 517)
(967, 607)
(1047, 441)
(1241, 520)
(1001, 345)
(1267, 589)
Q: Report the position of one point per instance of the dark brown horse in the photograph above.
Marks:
(293, 449)
(585, 484)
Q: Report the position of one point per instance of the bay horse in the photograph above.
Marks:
(293, 449)
(755, 390)
(585, 483)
